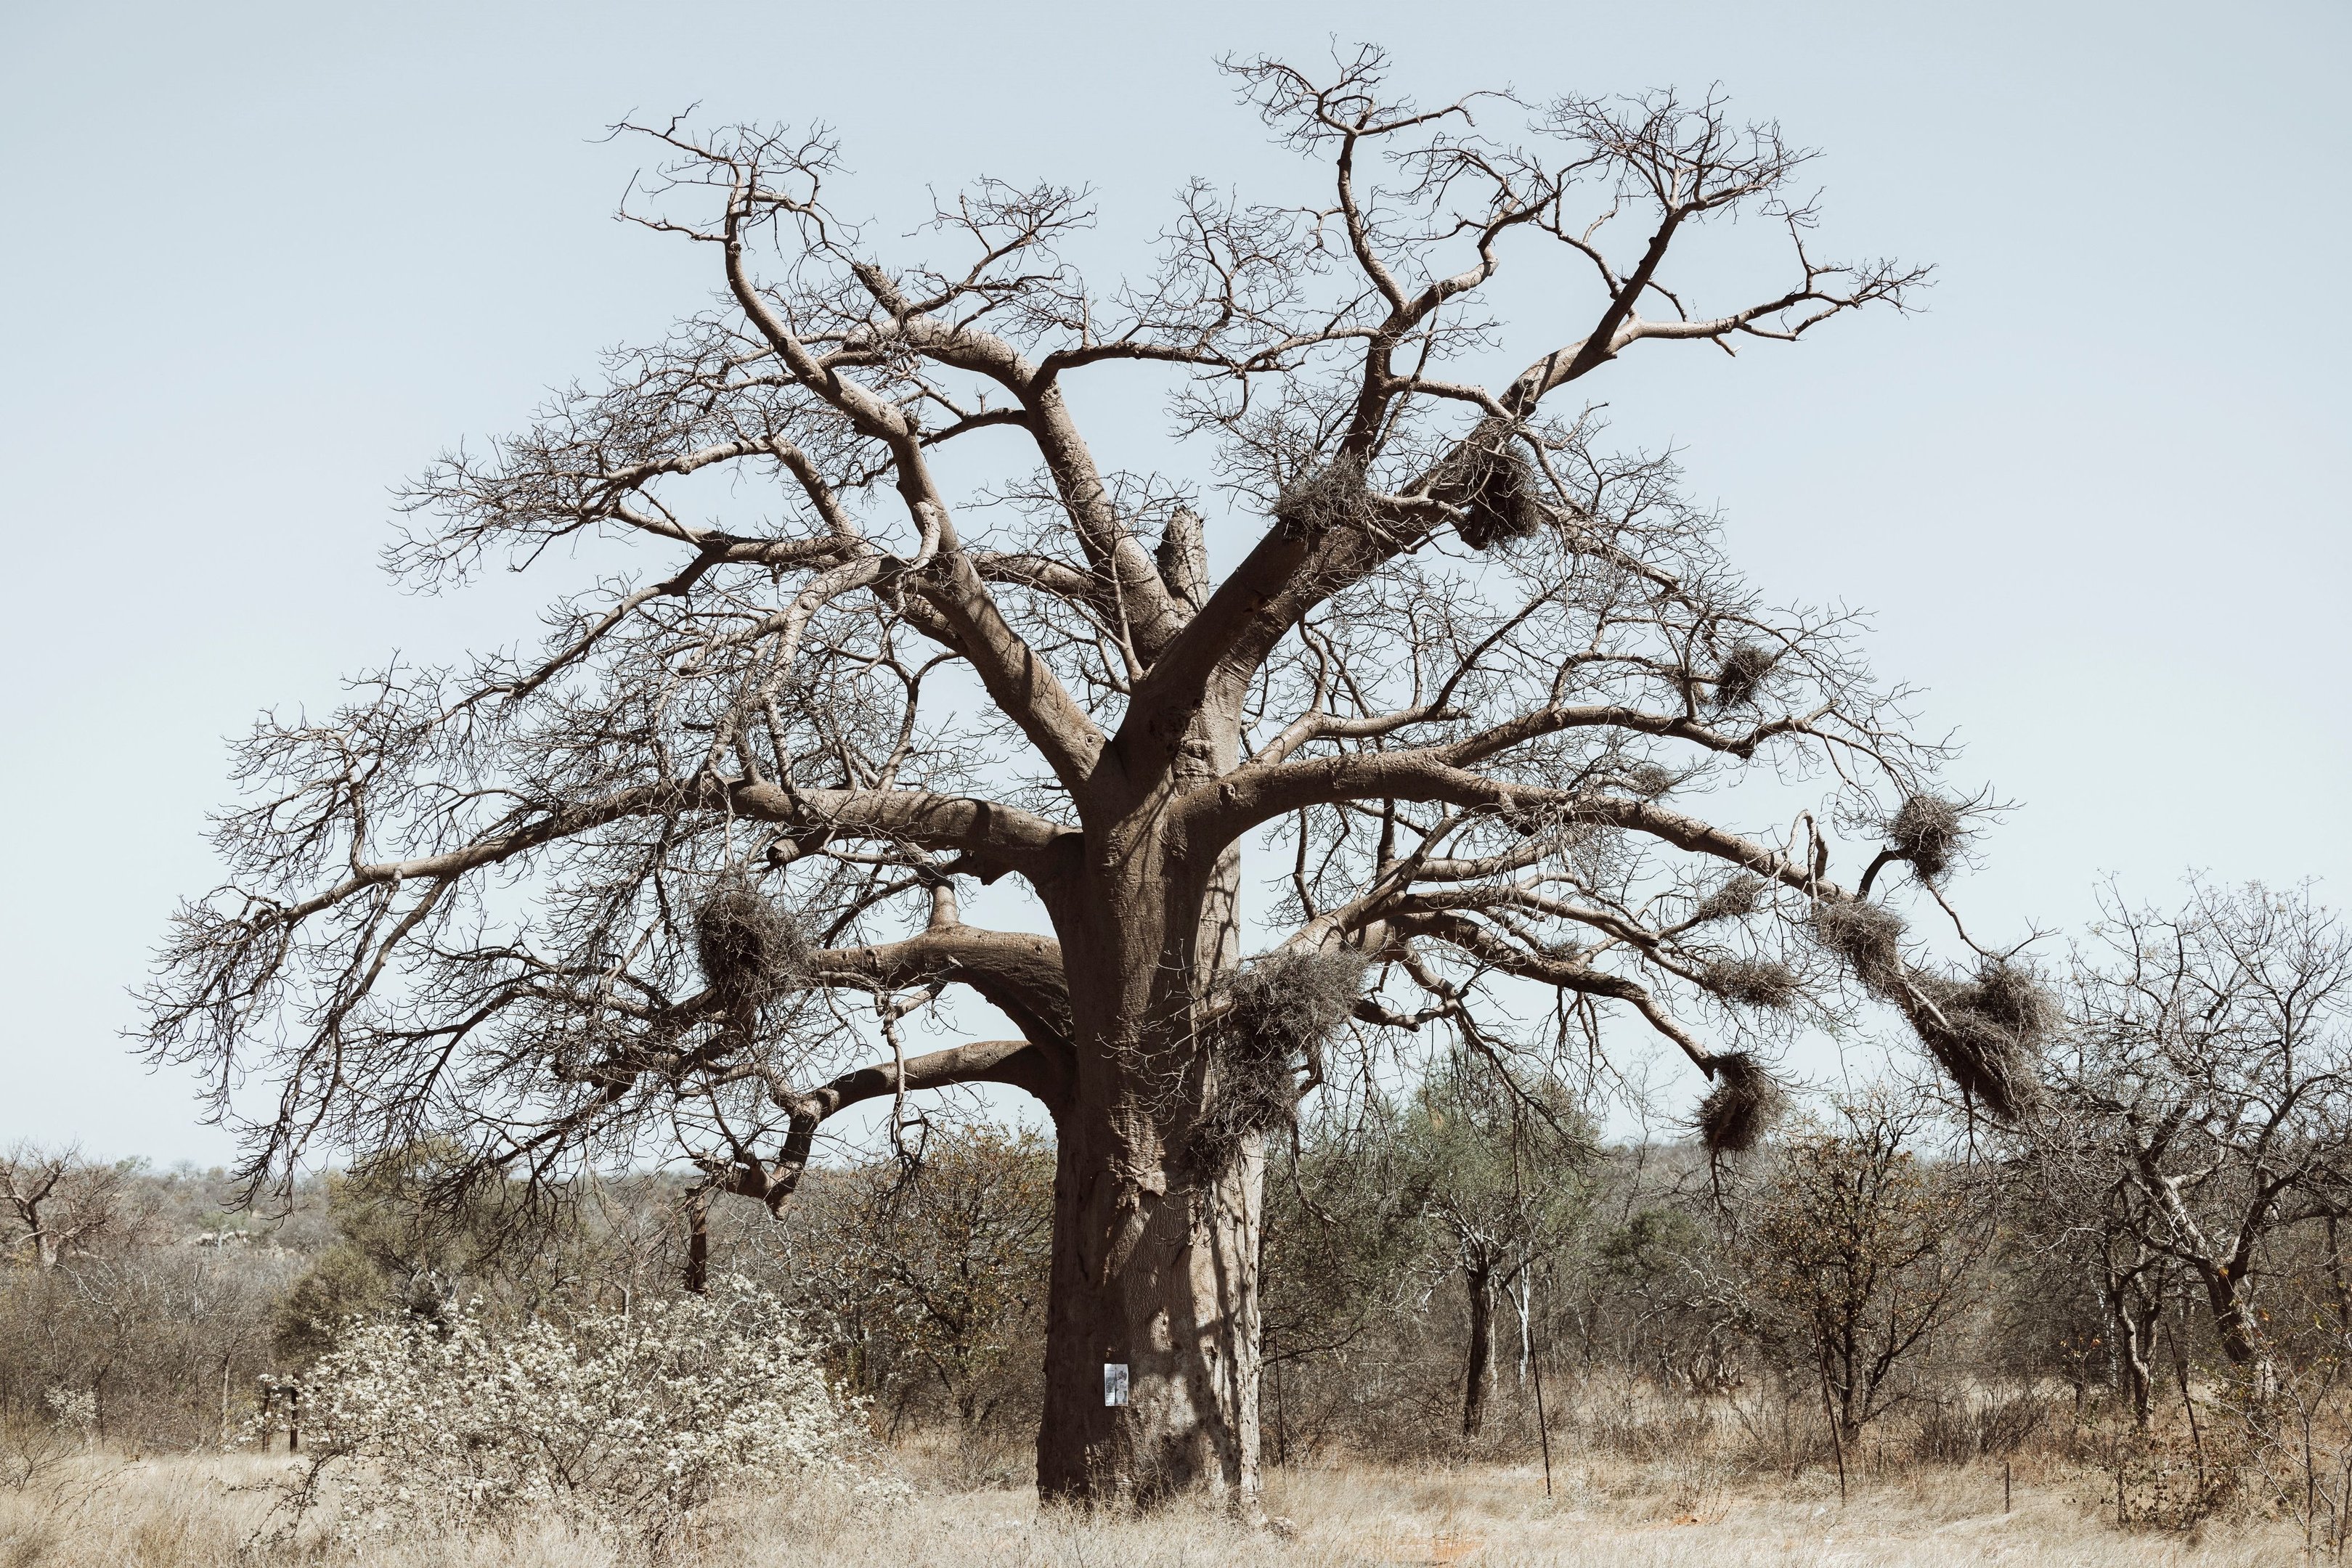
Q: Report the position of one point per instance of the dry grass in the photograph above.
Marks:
(198, 1513)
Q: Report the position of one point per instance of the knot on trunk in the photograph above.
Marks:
(1278, 1012)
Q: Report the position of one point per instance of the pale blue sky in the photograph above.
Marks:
(263, 261)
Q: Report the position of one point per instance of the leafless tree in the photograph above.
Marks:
(2080, 1215)
(57, 1200)
(1495, 1179)
(2202, 1098)
(1861, 1253)
(678, 869)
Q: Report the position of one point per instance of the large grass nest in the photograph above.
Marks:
(1988, 1032)
(1740, 678)
(1754, 982)
(750, 947)
(1497, 490)
(1333, 496)
(1740, 893)
(1741, 1107)
(1929, 832)
(1868, 937)
(1279, 1011)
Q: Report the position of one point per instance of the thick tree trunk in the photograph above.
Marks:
(1155, 1270)
(1481, 1282)
(2241, 1338)
(1157, 1202)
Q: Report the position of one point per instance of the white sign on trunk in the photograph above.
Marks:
(1114, 1383)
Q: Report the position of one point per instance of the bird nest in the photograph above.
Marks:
(1744, 1104)
(1868, 937)
(750, 947)
(1740, 678)
(1494, 489)
(1927, 832)
(1278, 1013)
(1737, 894)
(1754, 982)
(1321, 499)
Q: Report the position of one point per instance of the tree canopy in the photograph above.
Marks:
(683, 867)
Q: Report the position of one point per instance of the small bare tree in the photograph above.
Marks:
(2087, 1222)
(690, 865)
(1861, 1253)
(2201, 1103)
(57, 1200)
(1495, 1175)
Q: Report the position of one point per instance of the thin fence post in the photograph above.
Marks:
(1535, 1360)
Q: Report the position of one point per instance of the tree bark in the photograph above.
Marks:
(2136, 1314)
(1154, 1269)
(2241, 1339)
(1158, 1210)
(697, 1241)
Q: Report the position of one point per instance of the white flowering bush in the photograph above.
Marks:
(629, 1419)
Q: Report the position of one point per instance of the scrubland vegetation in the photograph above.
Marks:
(201, 1511)
(2116, 1332)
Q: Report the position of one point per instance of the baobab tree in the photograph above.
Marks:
(690, 866)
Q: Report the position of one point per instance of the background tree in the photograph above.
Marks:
(1861, 1253)
(57, 1201)
(958, 1255)
(1658, 1277)
(2084, 1218)
(1343, 1232)
(2201, 1103)
(1492, 1174)
(391, 1252)
(690, 867)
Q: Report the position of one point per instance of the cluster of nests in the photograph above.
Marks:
(1494, 490)
(1985, 1028)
